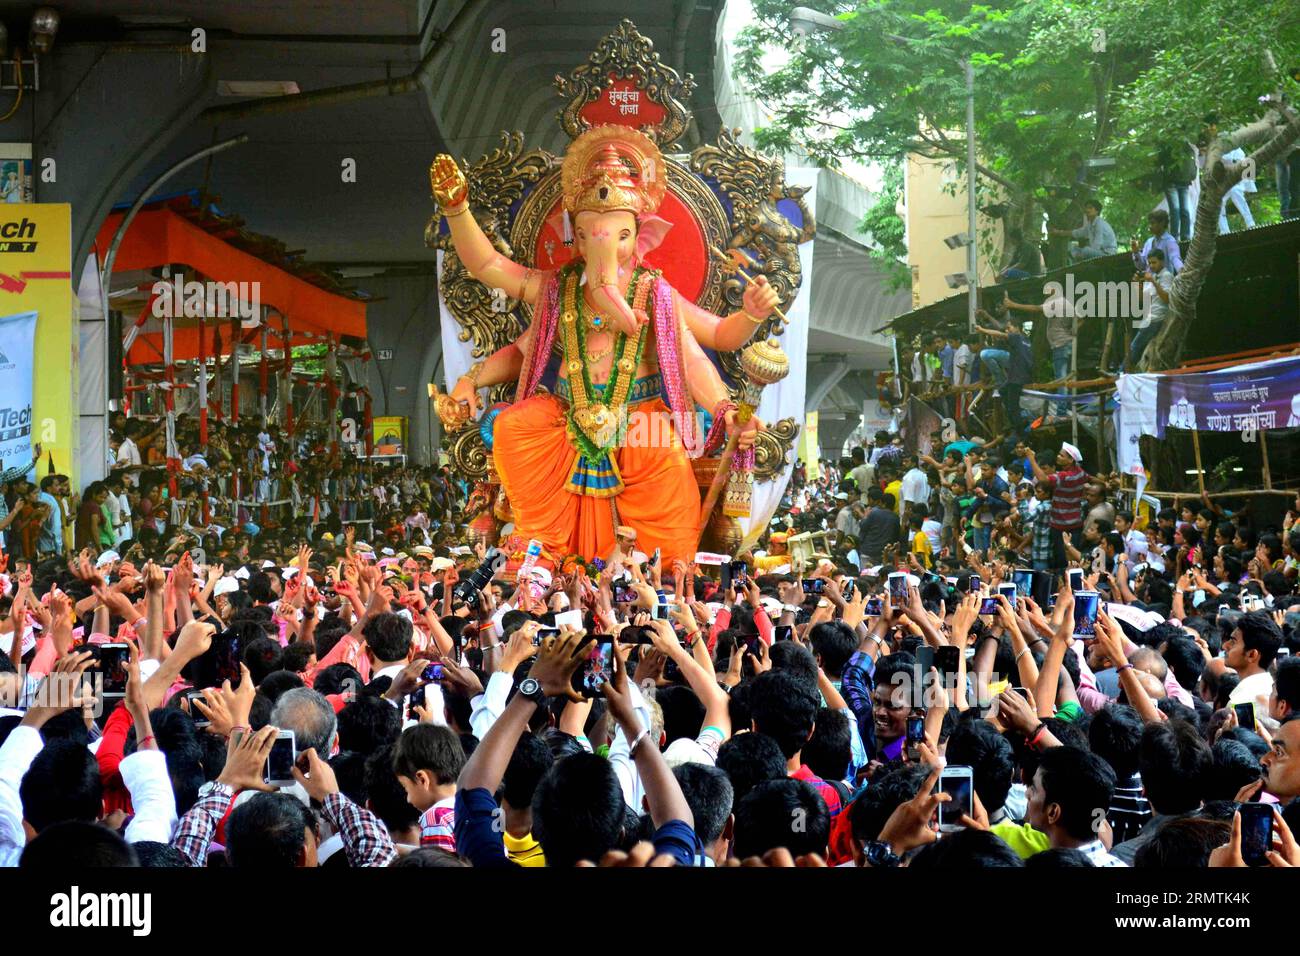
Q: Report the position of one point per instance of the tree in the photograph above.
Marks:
(1118, 78)
(891, 82)
(885, 226)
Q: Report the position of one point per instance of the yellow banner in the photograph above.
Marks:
(36, 276)
(390, 435)
(809, 449)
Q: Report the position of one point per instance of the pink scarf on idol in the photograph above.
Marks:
(672, 362)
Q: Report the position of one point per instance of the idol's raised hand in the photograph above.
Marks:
(447, 182)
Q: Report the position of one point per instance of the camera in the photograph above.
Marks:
(469, 589)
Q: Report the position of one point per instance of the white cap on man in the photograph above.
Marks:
(1072, 451)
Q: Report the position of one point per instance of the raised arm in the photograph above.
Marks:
(732, 331)
(708, 389)
(717, 712)
(663, 795)
(1049, 676)
(475, 249)
(1025, 664)
(1039, 474)
(1110, 641)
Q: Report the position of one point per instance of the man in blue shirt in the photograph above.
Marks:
(578, 810)
(1160, 239)
(51, 537)
(1012, 367)
(945, 357)
(1095, 237)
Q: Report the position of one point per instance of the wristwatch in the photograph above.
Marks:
(879, 853)
(531, 689)
(214, 786)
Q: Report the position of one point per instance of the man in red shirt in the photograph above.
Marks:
(1067, 484)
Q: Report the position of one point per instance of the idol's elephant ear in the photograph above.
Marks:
(651, 230)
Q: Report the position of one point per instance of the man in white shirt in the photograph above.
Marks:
(933, 529)
(1250, 651)
(128, 457)
(128, 453)
(1135, 541)
(1068, 789)
(124, 530)
(916, 487)
(1237, 193)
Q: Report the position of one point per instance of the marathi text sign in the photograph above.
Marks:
(624, 102)
(1245, 399)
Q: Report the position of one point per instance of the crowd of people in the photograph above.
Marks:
(324, 693)
(246, 482)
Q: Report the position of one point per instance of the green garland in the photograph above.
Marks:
(589, 449)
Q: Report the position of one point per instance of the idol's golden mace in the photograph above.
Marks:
(764, 363)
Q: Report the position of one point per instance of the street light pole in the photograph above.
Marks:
(972, 253)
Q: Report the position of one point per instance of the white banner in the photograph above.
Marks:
(785, 399)
(457, 356)
(17, 335)
(92, 459)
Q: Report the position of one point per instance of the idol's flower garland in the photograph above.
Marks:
(595, 412)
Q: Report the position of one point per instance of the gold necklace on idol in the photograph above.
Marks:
(594, 409)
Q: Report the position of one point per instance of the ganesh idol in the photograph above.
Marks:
(629, 345)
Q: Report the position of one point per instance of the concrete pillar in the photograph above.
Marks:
(821, 379)
(404, 321)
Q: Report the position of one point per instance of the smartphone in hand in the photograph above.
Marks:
(959, 783)
(278, 770)
(1256, 832)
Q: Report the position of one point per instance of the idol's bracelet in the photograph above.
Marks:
(474, 372)
(753, 318)
(464, 208)
(721, 409)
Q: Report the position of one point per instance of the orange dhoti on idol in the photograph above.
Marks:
(535, 459)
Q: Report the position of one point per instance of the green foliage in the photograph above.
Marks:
(885, 226)
(309, 359)
(1097, 77)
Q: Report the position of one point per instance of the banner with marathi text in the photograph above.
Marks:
(1245, 398)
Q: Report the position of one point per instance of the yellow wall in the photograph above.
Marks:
(54, 381)
(934, 211)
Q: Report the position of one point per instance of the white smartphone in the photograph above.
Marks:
(279, 762)
(571, 619)
(1075, 576)
(959, 783)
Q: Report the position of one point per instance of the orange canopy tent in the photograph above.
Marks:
(176, 235)
(202, 245)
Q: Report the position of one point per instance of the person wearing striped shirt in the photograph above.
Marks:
(1066, 484)
(1115, 735)
(428, 759)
